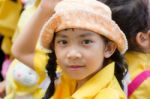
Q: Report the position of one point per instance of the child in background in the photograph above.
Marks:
(21, 81)
(133, 17)
(9, 14)
(72, 40)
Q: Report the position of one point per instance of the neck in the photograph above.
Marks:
(79, 84)
(83, 81)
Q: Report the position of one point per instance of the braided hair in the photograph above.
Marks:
(121, 67)
(51, 69)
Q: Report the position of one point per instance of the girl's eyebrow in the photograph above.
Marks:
(61, 35)
(86, 34)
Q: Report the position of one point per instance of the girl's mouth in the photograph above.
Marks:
(75, 67)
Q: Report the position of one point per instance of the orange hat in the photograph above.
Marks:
(85, 14)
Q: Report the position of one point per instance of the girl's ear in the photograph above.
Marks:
(143, 40)
(109, 49)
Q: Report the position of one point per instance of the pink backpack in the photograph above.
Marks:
(138, 80)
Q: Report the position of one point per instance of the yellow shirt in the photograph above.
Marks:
(9, 15)
(103, 85)
(138, 62)
(40, 62)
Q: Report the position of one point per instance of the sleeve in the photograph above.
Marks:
(109, 93)
(40, 62)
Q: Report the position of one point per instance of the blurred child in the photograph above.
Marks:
(133, 17)
(21, 81)
(9, 14)
(76, 30)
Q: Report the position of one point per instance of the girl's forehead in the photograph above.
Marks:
(76, 32)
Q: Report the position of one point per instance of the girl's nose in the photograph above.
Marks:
(74, 54)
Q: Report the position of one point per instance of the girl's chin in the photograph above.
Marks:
(77, 77)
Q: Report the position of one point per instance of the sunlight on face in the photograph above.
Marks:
(80, 53)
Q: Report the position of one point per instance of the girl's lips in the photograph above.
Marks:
(75, 67)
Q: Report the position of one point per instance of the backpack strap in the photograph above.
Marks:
(138, 80)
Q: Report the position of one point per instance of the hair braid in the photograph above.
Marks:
(120, 67)
(51, 69)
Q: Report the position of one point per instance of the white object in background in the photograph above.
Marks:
(24, 75)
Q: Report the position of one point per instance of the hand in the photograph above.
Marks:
(48, 5)
(2, 89)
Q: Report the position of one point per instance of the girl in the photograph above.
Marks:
(136, 26)
(71, 40)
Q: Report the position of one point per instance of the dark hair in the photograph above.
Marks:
(132, 16)
(14, 0)
(121, 67)
(51, 70)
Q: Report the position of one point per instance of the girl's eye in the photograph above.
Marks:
(62, 42)
(86, 42)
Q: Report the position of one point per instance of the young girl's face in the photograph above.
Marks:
(80, 53)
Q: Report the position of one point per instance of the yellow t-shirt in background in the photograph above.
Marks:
(138, 62)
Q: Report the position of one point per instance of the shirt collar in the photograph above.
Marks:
(96, 83)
